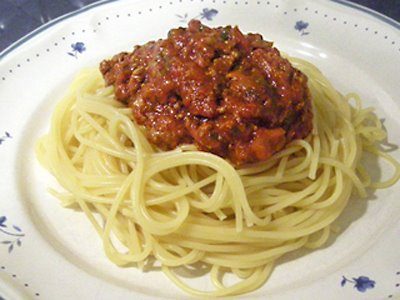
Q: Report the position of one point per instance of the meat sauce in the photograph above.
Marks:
(229, 93)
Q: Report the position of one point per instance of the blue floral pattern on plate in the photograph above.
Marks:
(207, 14)
(361, 283)
(77, 48)
(11, 236)
(15, 234)
(6, 136)
(301, 27)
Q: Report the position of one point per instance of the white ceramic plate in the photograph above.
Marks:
(48, 252)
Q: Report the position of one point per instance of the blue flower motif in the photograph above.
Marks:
(182, 18)
(6, 135)
(77, 47)
(343, 282)
(208, 14)
(14, 236)
(301, 26)
(3, 219)
(362, 283)
(17, 228)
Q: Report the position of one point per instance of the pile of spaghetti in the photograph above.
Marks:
(186, 206)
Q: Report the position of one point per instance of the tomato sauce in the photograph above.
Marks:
(229, 93)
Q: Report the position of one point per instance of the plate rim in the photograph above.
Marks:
(103, 5)
(3, 54)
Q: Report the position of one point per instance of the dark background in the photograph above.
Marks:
(19, 17)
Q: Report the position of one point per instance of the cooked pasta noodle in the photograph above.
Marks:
(186, 206)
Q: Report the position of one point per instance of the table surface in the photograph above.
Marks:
(19, 17)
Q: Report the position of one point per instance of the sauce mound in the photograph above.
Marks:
(229, 93)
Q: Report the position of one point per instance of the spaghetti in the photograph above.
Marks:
(186, 206)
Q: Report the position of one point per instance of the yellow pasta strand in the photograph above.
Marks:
(185, 207)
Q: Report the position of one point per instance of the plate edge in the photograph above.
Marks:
(24, 39)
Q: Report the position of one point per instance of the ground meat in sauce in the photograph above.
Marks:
(228, 93)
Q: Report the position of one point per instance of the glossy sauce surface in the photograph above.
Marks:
(228, 93)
